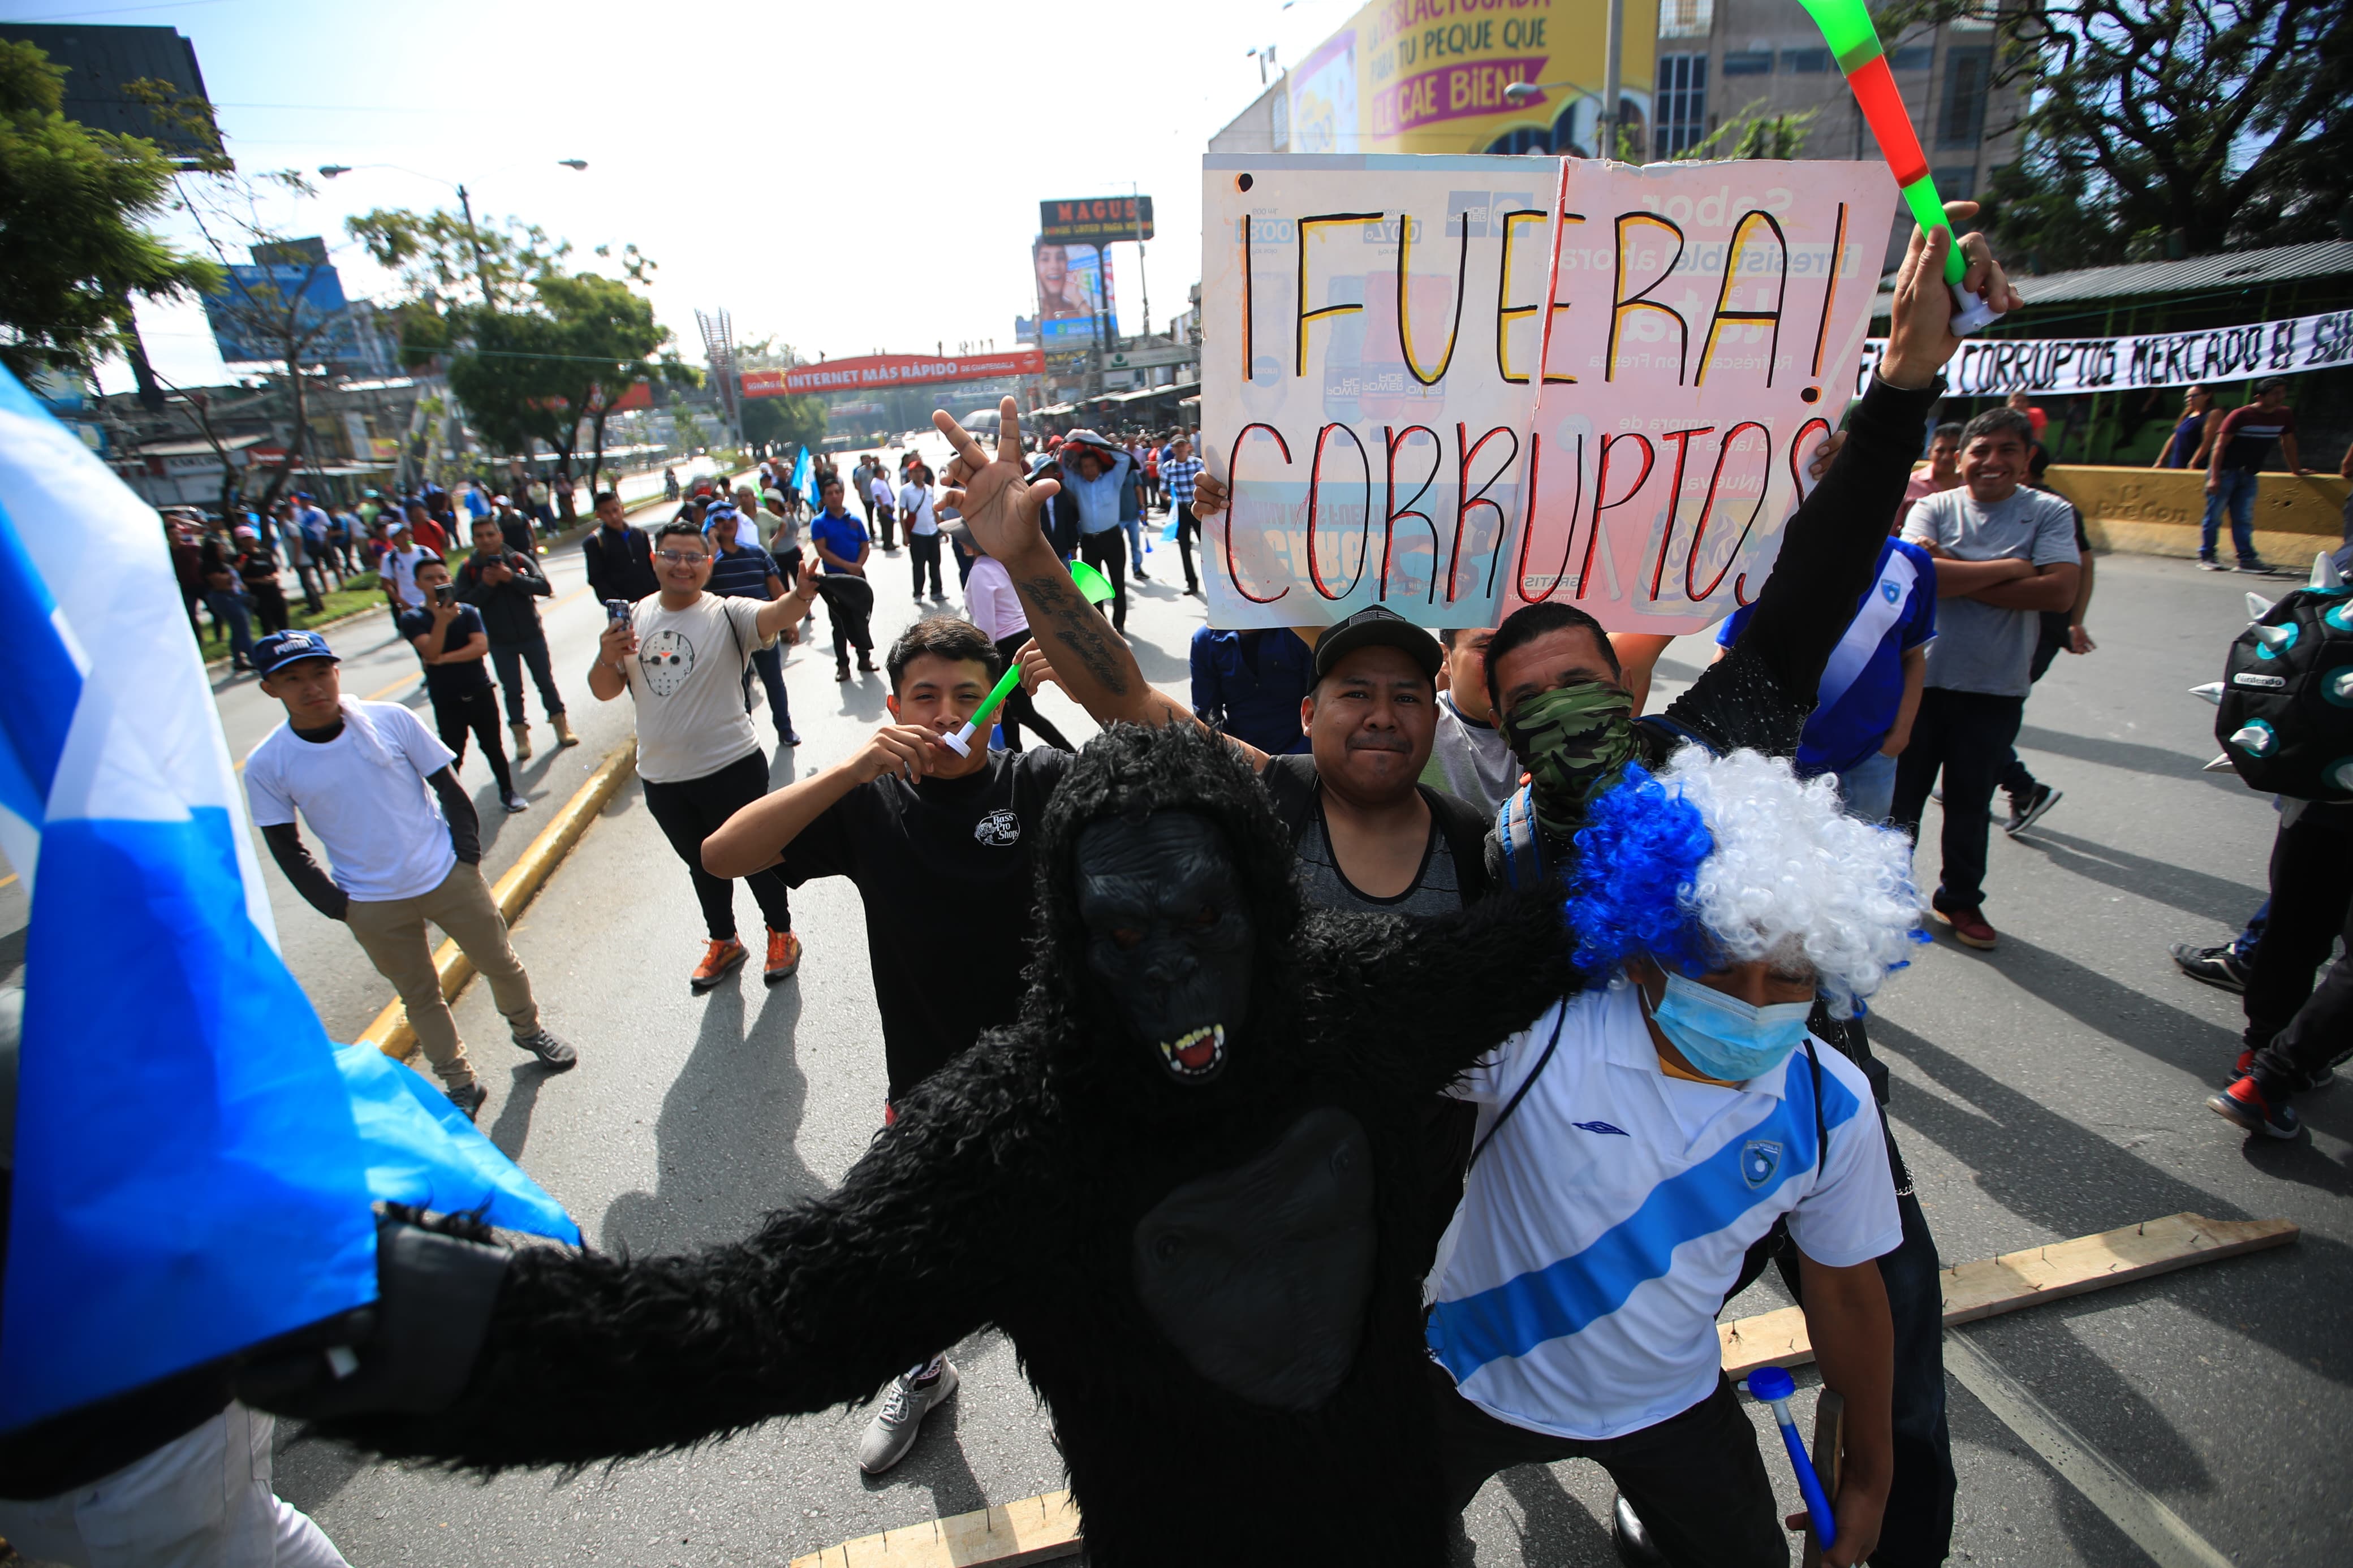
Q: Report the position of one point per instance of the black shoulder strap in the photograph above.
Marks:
(1465, 831)
(1559, 1017)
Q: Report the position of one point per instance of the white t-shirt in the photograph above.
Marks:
(687, 679)
(404, 565)
(915, 506)
(1576, 1290)
(880, 491)
(989, 601)
(365, 794)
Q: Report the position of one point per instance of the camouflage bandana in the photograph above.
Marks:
(1574, 742)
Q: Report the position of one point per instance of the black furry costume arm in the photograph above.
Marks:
(1431, 997)
(590, 1357)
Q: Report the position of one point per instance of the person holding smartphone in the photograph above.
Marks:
(453, 644)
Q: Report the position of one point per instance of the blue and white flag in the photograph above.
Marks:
(805, 479)
(194, 1160)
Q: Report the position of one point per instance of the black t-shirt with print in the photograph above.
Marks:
(944, 868)
(449, 681)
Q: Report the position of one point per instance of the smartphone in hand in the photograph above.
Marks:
(444, 594)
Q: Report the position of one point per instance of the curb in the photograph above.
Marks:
(513, 892)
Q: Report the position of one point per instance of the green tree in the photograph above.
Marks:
(2157, 127)
(789, 420)
(543, 371)
(72, 253)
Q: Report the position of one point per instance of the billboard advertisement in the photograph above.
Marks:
(875, 370)
(1428, 76)
(1100, 220)
(1074, 289)
(257, 296)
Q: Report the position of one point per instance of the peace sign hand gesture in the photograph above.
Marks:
(992, 494)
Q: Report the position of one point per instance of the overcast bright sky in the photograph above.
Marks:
(843, 177)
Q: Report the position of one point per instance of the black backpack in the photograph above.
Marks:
(2283, 711)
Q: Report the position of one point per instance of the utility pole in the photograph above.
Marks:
(1607, 126)
(1141, 281)
(474, 237)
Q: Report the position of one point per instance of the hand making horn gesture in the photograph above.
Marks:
(994, 496)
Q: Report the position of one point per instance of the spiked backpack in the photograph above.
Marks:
(2283, 708)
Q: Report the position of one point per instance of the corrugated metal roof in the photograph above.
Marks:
(2231, 270)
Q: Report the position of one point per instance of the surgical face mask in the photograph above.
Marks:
(1574, 742)
(1722, 1037)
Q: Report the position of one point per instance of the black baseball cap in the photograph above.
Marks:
(1376, 627)
(278, 649)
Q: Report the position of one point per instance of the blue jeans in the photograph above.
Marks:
(2233, 488)
(1868, 788)
(227, 607)
(1134, 526)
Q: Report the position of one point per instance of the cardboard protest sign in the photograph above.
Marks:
(1373, 330)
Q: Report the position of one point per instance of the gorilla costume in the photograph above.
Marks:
(1186, 1182)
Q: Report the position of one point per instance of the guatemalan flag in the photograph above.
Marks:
(194, 1160)
(805, 479)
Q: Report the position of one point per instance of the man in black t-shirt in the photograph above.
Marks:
(939, 848)
(451, 642)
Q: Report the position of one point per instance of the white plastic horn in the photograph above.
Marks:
(2211, 692)
(2274, 636)
(2324, 574)
(2258, 607)
(2253, 738)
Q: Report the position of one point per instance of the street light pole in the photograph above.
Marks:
(1135, 194)
(474, 238)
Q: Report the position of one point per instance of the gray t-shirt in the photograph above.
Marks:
(1470, 760)
(1436, 890)
(1980, 648)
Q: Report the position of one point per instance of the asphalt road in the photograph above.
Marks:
(2050, 1089)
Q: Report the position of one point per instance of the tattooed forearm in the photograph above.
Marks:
(1061, 614)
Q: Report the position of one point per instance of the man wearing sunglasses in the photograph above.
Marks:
(682, 655)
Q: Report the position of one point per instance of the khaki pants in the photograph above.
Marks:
(393, 933)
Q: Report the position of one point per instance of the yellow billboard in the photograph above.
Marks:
(1428, 76)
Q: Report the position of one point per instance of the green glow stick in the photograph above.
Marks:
(961, 741)
(1846, 26)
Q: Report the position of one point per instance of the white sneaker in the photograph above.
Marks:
(894, 1427)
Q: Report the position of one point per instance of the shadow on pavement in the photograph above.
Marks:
(2193, 893)
(724, 1138)
(2044, 1167)
(1555, 1527)
(2131, 1018)
(2129, 755)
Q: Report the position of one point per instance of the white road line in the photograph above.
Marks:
(2148, 1523)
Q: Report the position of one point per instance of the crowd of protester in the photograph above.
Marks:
(1892, 658)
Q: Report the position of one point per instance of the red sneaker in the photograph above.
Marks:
(784, 956)
(721, 957)
(2247, 1107)
(1969, 928)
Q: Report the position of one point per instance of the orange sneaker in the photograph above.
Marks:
(717, 960)
(784, 956)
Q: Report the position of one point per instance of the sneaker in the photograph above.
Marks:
(2217, 966)
(2264, 569)
(721, 957)
(2208, 563)
(1631, 1536)
(1969, 928)
(552, 1048)
(894, 1427)
(513, 801)
(467, 1097)
(784, 956)
(2245, 1106)
(792, 737)
(2024, 814)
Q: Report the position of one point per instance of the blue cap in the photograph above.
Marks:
(1771, 1383)
(278, 649)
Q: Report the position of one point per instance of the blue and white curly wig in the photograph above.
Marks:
(1730, 860)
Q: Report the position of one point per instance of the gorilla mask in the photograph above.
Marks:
(1169, 935)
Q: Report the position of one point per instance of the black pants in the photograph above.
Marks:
(1188, 533)
(691, 810)
(2293, 1029)
(510, 661)
(1967, 735)
(1107, 554)
(1019, 710)
(478, 711)
(768, 665)
(880, 524)
(1696, 1478)
(923, 550)
(2016, 782)
(849, 603)
(268, 606)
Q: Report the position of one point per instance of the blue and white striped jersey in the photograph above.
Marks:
(1575, 1291)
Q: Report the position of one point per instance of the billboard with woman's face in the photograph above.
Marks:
(1074, 290)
